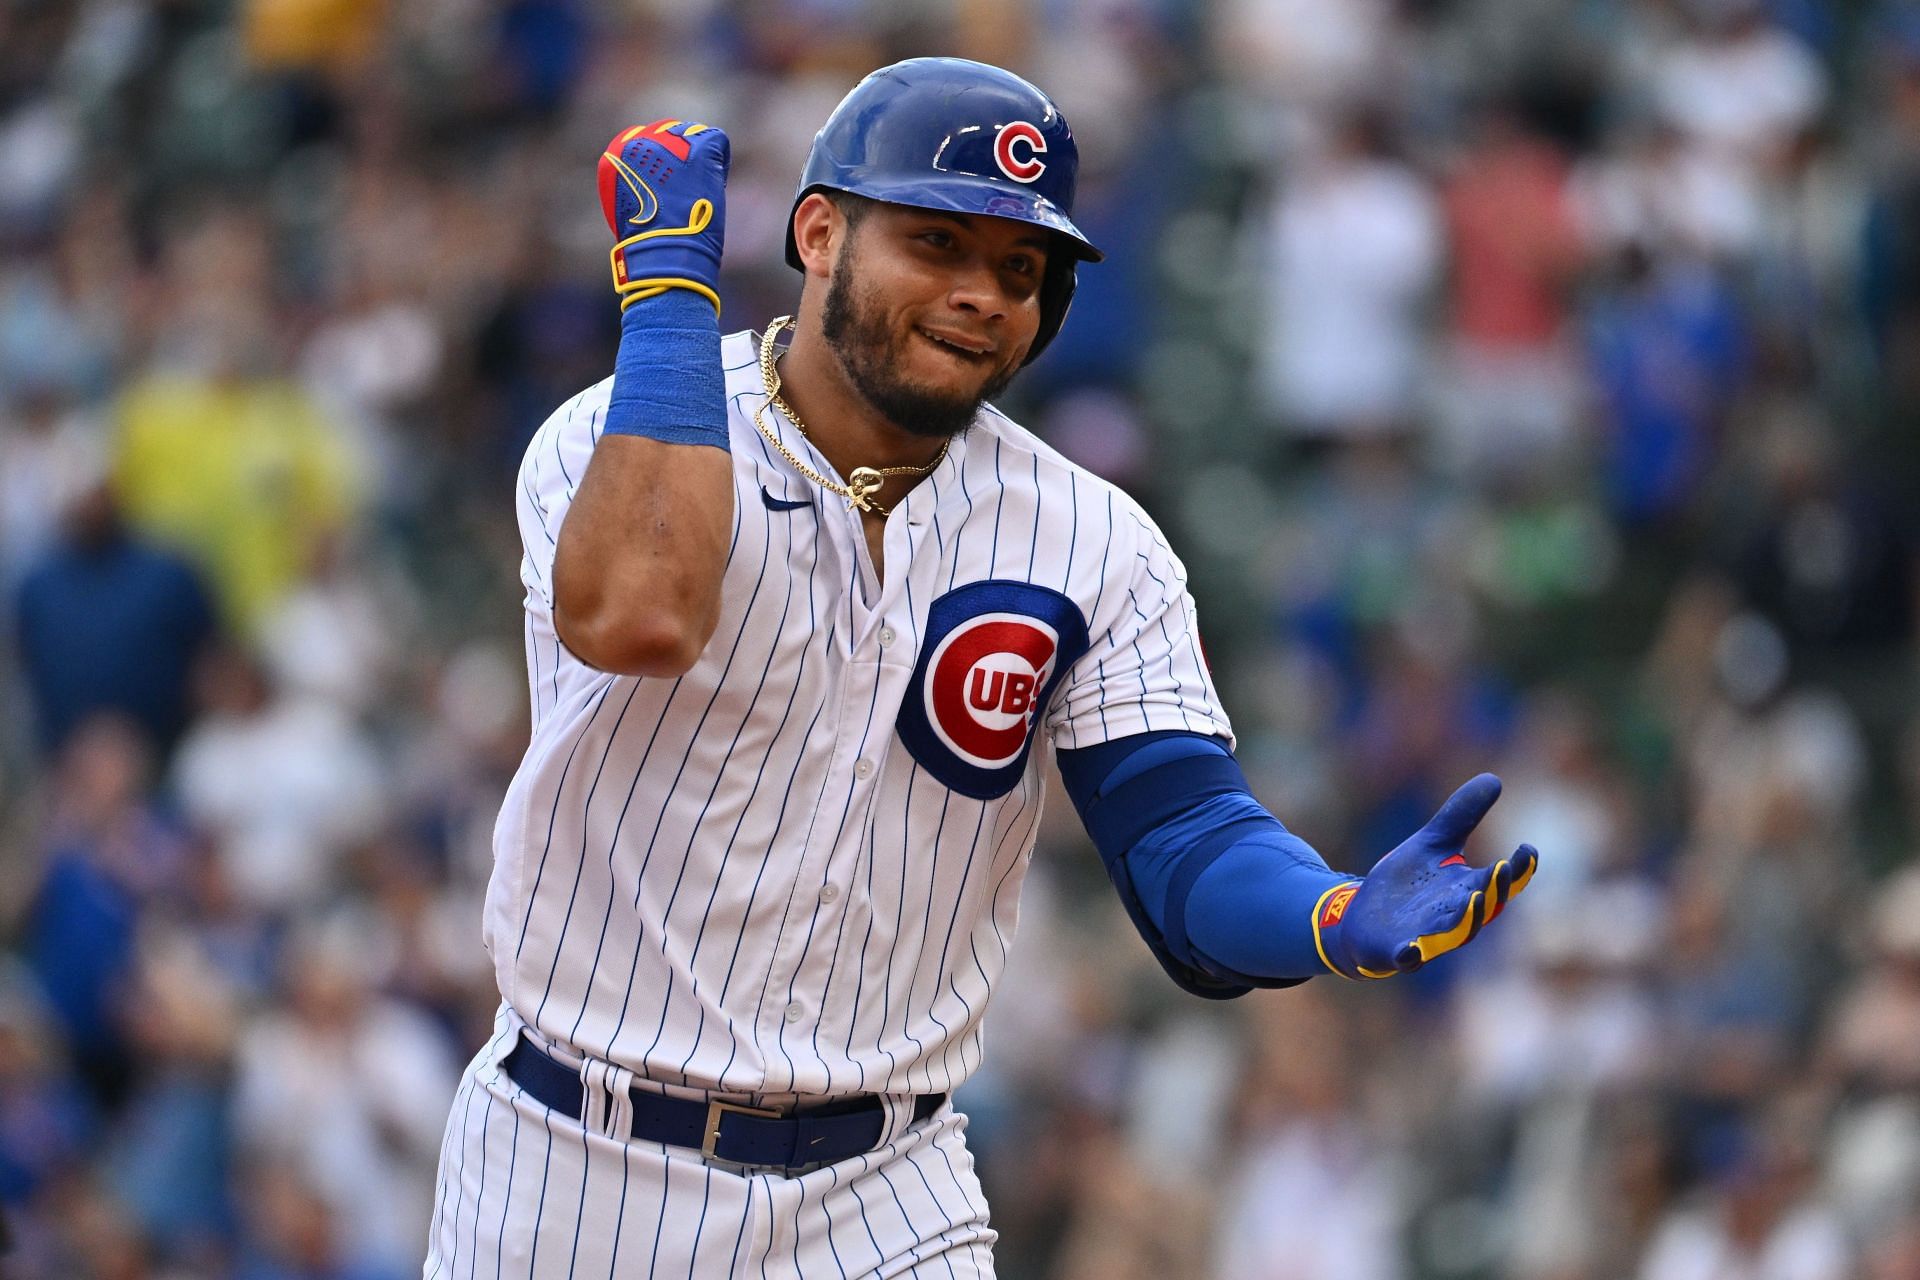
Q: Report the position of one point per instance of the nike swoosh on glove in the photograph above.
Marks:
(663, 187)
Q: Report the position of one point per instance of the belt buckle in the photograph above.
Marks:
(710, 1131)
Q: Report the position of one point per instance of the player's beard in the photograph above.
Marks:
(857, 333)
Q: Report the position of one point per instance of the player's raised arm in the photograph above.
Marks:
(640, 557)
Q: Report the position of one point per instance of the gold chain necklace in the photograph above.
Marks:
(864, 482)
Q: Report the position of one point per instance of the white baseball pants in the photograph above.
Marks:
(526, 1193)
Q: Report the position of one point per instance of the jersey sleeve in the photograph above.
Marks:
(549, 475)
(1143, 670)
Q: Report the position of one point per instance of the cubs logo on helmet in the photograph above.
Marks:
(1032, 145)
(993, 654)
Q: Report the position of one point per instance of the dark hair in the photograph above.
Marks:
(854, 208)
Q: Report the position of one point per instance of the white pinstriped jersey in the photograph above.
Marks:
(796, 868)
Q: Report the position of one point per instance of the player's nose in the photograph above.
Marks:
(978, 292)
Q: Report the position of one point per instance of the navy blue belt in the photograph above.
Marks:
(724, 1130)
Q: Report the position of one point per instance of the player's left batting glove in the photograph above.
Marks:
(1422, 900)
(663, 187)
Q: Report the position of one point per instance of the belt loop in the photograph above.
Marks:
(606, 1098)
(897, 1116)
(620, 1114)
(506, 1034)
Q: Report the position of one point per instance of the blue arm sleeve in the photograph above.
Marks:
(1221, 891)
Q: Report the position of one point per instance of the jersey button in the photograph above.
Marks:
(863, 769)
(828, 892)
(887, 637)
(794, 1011)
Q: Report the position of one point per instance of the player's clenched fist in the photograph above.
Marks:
(663, 187)
(1422, 900)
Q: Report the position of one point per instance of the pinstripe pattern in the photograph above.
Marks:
(743, 881)
(565, 1202)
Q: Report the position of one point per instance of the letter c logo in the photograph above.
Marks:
(1029, 138)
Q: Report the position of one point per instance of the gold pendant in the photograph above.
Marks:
(861, 485)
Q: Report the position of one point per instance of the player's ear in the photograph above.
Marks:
(818, 227)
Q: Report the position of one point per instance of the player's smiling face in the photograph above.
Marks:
(930, 313)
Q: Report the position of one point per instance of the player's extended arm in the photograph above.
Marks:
(638, 564)
(1229, 899)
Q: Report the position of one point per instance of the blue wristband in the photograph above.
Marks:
(668, 383)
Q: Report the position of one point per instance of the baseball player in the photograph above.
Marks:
(805, 625)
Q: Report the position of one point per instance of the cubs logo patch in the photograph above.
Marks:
(993, 655)
(982, 682)
(1017, 149)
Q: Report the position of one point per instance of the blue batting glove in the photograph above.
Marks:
(663, 187)
(1422, 900)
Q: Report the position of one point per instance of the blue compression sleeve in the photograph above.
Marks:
(668, 384)
(1251, 911)
(1215, 882)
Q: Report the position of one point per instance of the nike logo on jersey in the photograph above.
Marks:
(782, 504)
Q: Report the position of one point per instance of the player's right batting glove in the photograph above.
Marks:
(1422, 900)
(663, 187)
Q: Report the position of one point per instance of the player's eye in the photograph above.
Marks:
(1022, 264)
(938, 238)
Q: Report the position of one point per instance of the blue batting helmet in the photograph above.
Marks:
(964, 137)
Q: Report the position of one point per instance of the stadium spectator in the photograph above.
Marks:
(284, 786)
(1509, 394)
(1352, 247)
(214, 447)
(108, 623)
(108, 856)
(336, 1091)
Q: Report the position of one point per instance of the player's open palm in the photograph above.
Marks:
(1422, 900)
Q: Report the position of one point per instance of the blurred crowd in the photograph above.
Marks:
(1528, 384)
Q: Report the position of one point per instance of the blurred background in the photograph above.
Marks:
(1529, 384)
